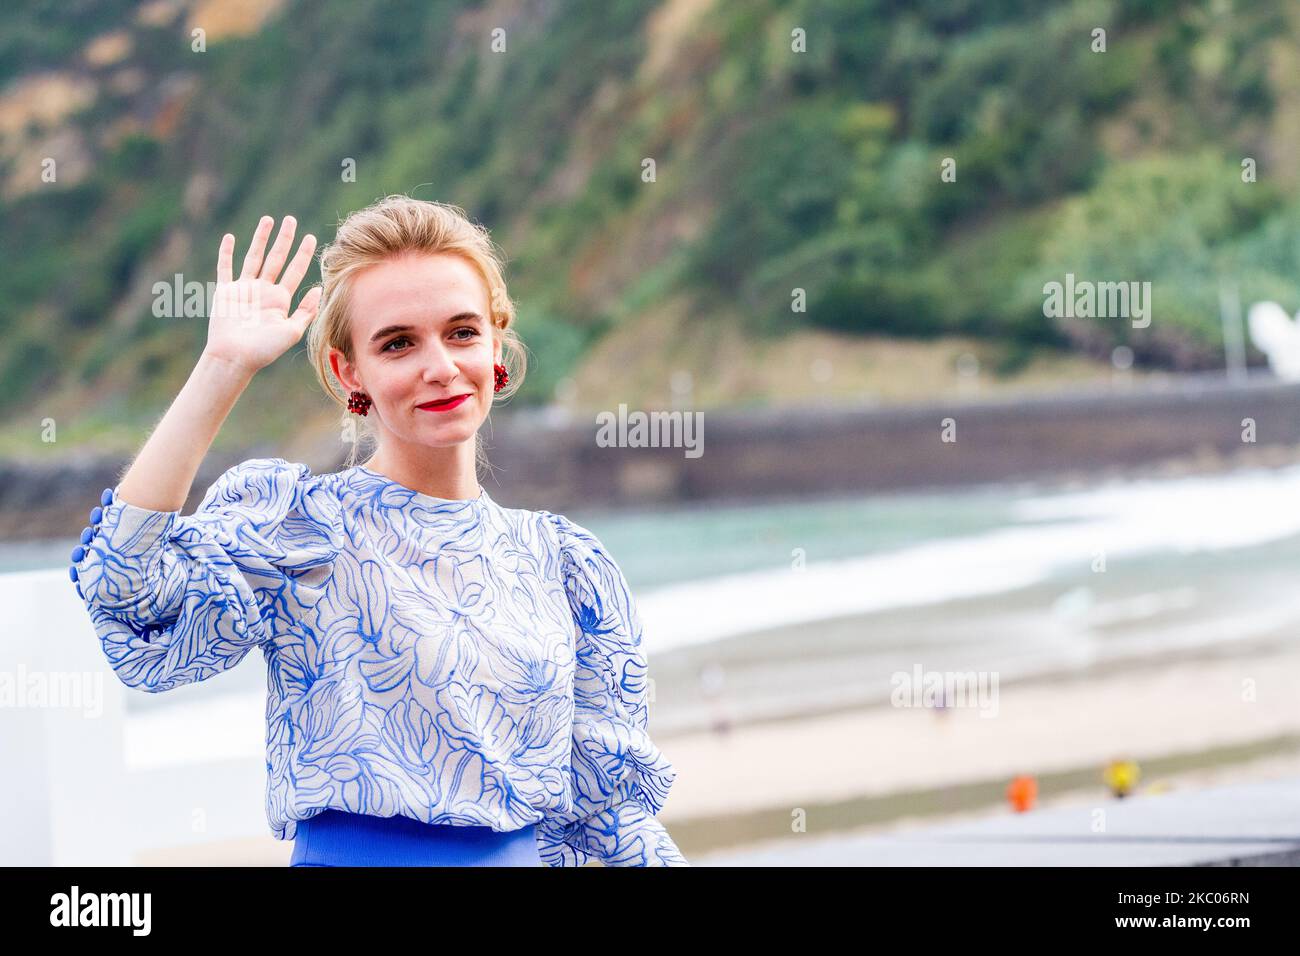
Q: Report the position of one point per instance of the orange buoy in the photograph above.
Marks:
(1022, 792)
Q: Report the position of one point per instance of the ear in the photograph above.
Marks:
(343, 371)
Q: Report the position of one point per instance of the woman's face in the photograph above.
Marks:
(421, 331)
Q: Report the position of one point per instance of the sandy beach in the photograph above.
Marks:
(1188, 722)
(1041, 726)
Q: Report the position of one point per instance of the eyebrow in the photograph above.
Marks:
(458, 317)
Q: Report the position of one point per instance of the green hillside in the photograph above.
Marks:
(775, 170)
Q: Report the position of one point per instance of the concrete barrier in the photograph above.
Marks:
(70, 795)
(544, 460)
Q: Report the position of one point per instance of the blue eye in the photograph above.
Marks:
(400, 338)
(466, 328)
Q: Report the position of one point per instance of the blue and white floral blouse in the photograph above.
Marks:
(455, 662)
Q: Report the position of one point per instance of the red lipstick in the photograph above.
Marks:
(445, 405)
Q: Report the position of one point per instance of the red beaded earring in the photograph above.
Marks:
(359, 403)
(502, 376)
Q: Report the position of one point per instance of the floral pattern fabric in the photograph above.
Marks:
(455, 662)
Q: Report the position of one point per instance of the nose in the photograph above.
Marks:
(439, 367)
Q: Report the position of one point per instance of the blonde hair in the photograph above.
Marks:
(395, 225)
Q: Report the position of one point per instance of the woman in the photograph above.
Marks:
(450, 682)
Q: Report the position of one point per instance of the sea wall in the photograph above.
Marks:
(541, 461)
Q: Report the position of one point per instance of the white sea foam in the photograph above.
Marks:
(1057, 533)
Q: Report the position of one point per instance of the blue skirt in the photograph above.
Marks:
(339, 838)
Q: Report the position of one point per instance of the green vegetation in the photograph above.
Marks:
(817, 170)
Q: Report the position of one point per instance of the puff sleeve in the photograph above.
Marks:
(620, 778)
(176, 600)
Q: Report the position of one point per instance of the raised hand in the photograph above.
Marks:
(250, 326)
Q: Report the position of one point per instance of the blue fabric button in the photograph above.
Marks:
(107, 497)
(78, 553)
(86, 535)
(96, 514)
(72, 573)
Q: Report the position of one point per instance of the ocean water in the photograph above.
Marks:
(782, 608)
(704, 573)
(1013, 582)
(674, 544)
(794, 565)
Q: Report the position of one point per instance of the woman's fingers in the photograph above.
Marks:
(307, 308)
(280, 251)
(301, 261)
(225, 254)
(253, 258)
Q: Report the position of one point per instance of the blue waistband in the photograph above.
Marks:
(339, 838)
